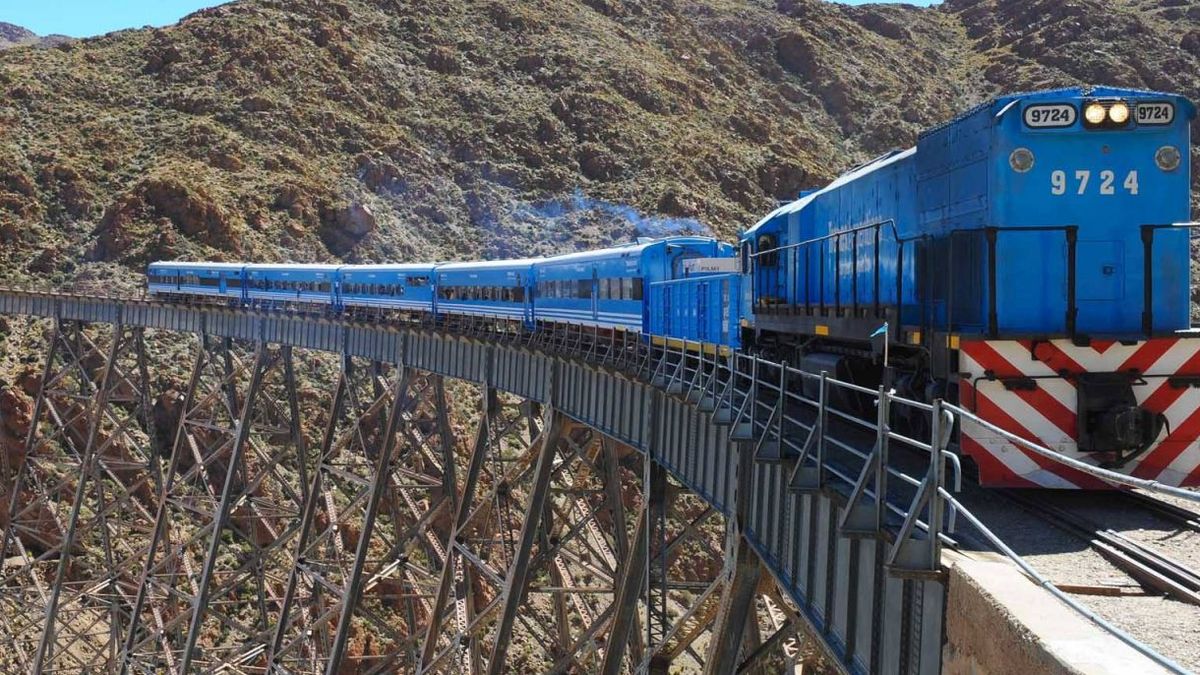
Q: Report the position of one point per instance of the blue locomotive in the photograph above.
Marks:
(1028, 259)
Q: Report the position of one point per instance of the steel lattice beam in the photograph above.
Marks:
(227, 512)
(388, 548)
(82, 496)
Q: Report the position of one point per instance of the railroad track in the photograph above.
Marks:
(1150, 568)
(1189, 520)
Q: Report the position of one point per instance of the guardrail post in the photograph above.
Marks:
(812, 478)
(770, 447)
(723, 407)
(914, 556)
(743, 421)
(860, 519)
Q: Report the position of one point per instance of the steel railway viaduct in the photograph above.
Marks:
(618, 506)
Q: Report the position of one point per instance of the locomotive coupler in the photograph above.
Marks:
(1110, 419)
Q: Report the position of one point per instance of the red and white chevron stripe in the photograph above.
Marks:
(1046, 414)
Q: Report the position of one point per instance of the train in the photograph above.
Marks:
(1028, 260)
(605, 288)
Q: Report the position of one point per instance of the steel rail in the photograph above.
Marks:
(1177, 514)
(1150, 568)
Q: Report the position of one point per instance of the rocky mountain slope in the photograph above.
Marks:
(15, 36)
(402, 129)
(12, 35)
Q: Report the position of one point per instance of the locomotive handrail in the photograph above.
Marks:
(991, 234)
(839, 233)
(836, 237)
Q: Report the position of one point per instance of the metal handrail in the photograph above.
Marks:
(1045, 583)
(835, 235)
(934, 488)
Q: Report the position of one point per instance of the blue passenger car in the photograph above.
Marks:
(386, 287)
(499, 289)
(205, 279)
(607, 288)
(291, 285)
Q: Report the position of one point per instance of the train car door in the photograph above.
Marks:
(526, 300)
(595, 293)
(701, 309)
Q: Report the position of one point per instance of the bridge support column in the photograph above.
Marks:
(83, 491)
(629, 591)
(369, 542)
(532, 578)
(687, 568)
(226, 515)
(737, 608)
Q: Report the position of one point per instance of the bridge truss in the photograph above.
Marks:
(318, 497)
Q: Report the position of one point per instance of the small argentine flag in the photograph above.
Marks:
(882, 330)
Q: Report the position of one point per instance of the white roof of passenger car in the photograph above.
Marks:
(291, 267)
(488, 265)
(625, 249)
(179, 264)
(403, 267)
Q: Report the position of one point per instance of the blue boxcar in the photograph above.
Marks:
(203, 279)
(607, 288)
(1018, 218)
(701, 308)
(391, 287)
(291, 284)
(498, 288)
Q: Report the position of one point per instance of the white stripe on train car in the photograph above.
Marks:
(308, 297)
(194, 290)
(397, 304)
(481, 310)
(615, 316)
(588, 321)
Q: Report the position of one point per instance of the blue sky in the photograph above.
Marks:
(81, 18)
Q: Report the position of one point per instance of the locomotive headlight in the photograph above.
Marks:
(1168, 158)
(1119, 113)
(1095, 113)
(1021, 160)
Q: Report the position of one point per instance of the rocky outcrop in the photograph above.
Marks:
(141, 221)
